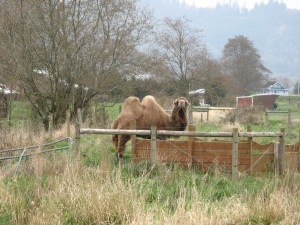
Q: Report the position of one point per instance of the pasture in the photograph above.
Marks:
(95, 189)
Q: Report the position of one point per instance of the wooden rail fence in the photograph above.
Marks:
(243, 155)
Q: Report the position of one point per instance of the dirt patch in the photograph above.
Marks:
(213, 115)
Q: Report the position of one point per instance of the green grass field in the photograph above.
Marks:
(96, 189)
(277, 120)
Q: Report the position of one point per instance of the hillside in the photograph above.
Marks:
(272, 27)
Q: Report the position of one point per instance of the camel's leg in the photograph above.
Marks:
(115, 140)
(122, 140)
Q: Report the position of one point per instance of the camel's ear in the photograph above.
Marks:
(187, 104)
(176, 103)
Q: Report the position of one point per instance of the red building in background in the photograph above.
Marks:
(265, 100)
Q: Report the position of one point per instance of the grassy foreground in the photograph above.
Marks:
(98, 190)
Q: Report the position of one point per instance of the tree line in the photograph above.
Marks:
(64, 54)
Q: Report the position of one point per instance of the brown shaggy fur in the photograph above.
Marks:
(148, 113)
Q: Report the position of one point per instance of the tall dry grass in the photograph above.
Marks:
(22, 136)
(63, 192)
(51, 189)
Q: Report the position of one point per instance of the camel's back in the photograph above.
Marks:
(154, 114)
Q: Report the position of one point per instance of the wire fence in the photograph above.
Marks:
(29, 150)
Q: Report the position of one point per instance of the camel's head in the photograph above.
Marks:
(181, 104)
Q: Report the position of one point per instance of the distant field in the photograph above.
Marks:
(21, 115)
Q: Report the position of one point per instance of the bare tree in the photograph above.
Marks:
(214, 82)
(63, 53)
(180, 48)
(284, 80)
(242, 62)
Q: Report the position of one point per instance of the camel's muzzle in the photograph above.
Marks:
(182, 105)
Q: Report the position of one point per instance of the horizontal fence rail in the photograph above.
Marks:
(114, 131)
(260, 134)
(270, 111)
(179, 133)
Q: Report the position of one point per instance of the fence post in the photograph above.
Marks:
(235, 153)
(190, 115)
(77, 138)
(94, 115)
(276, 147)
(50, 129)
(153, 153)
(266, 119)
(102, 116)
(68, 122)
(133, 140)
(281, 152)
(289, 122)
(250, 140)
(207, 115)
(190, 145)
(79, 116)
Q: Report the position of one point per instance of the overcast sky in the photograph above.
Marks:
(292, 4)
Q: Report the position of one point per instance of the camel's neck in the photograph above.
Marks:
(178, 120)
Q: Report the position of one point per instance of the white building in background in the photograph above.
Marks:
(199, 94)
(274, 88)
(6, 91)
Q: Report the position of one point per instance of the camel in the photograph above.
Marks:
(147, 113)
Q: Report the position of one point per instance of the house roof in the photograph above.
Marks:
(5, 90)
(198, 91)
(274, 86)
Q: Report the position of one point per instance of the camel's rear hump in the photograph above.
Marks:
(153, 113)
